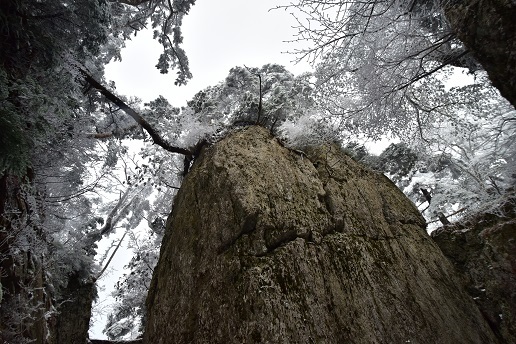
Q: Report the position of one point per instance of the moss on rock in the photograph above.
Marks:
(268, 245)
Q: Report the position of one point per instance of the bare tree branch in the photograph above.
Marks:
(156, 137)
(111, 258)
(445, 63)
(108, 225)
(450, 215)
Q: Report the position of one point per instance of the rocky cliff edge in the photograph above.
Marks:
(268, 245)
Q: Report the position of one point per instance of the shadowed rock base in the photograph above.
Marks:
(484, 251)
(265, 245)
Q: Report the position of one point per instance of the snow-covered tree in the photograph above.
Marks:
(268, 96)
(461, 154)
(384, 68)
(370, 55)
(234, 102)
(52, 165)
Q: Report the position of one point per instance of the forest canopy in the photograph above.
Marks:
(70, 174)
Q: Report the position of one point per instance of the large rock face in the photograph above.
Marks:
(484, 251)
(268, 245)
(488, 29)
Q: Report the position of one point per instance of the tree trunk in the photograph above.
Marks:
(75, 311)
(26, 302)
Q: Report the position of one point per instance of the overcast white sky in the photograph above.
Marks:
(218, 35)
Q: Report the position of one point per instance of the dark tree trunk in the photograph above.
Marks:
(26, 302)
(75, 311)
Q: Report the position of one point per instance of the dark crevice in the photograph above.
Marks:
(283, 239)
(248, 226)
(326, 199)
(309, 237)
(412, 222)
(366, 203)
(376, 238)
(336, 227)
(286, 238)
(392, 219)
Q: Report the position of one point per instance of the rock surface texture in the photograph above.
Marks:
(488, 30)
(265, 245)
(484, 251)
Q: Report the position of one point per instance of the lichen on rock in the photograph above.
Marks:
(265, 244)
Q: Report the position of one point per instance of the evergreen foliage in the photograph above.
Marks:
(51, 180)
